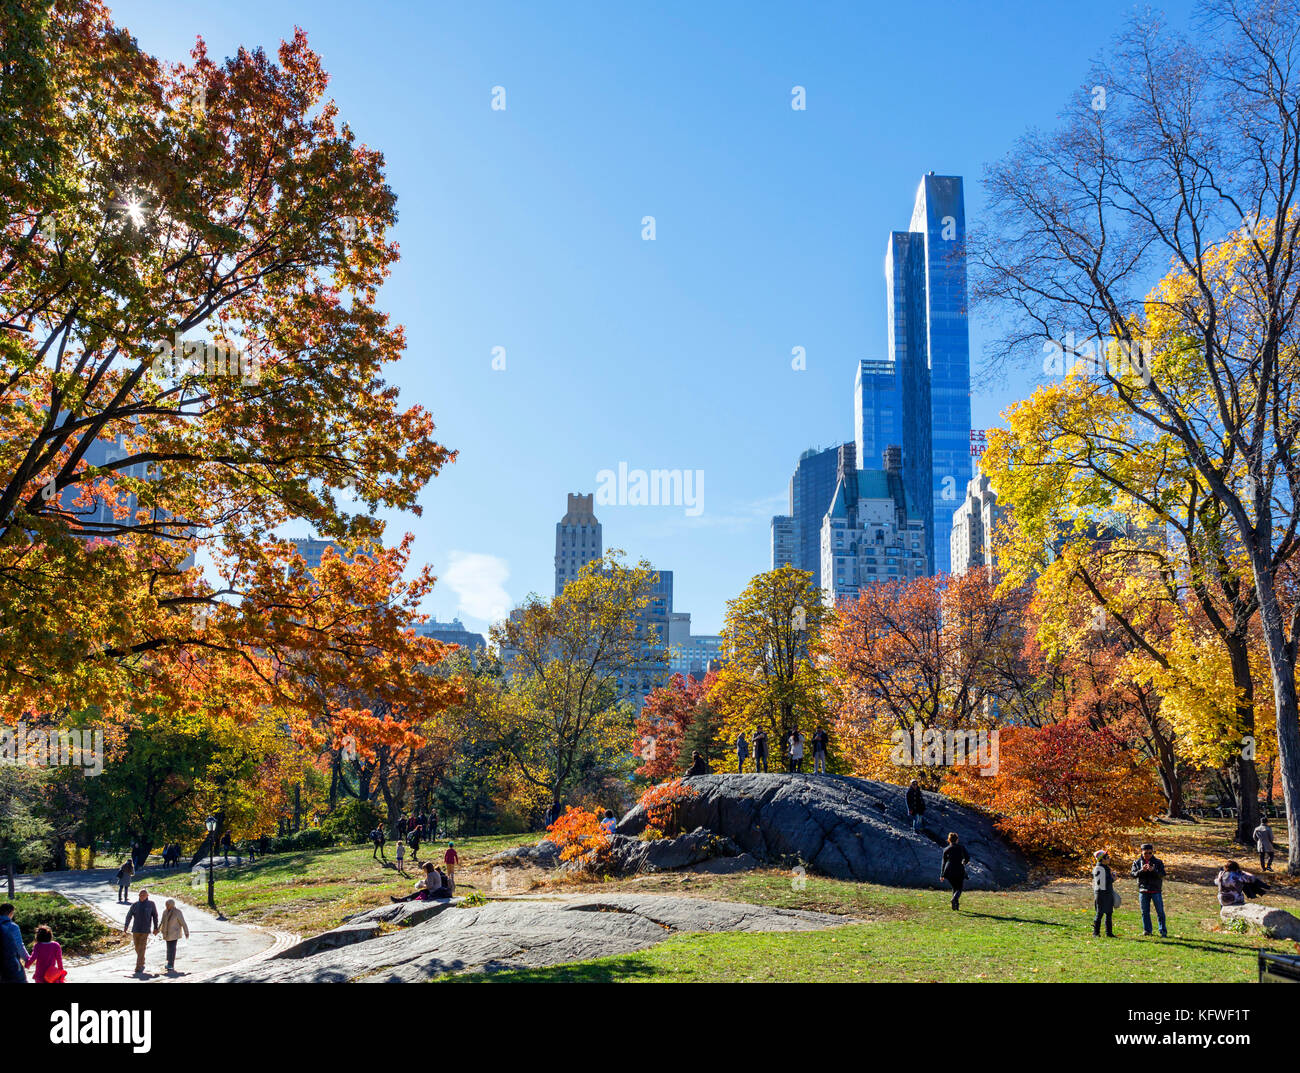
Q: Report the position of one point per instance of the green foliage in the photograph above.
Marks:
(76, 927)
(474, 899)
(352, 821)
(25, 838)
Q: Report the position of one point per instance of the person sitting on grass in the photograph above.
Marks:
(433, 885)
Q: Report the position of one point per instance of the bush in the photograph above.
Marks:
(474, 899)
(75, 927)
(651, 834)
(352, 821)
(311, 838)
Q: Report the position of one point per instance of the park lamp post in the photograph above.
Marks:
(211, 824)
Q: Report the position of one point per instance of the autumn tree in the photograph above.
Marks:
(928, 653)
(771, 678)
(1161, 216)
(668, 716)
(559, 712)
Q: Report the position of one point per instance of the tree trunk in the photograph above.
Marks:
(1288, 712)
(9, 870)
(1244, 776)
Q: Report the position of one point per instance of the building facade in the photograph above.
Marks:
(974, 524)
(812, 487)
(877, 412)
(454, 632)
(929, 344)
(785, 541)
(578, 540)
(873, 531)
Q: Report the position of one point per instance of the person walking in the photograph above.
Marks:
(1149, 870)
(124, 877)
(13, 954)
(1103, 893)
(742, 753)
(47, 957)
(955, 859)
(413, 840)
(450, 858)
(141, 919)
(760, 749)
(225, 847)
(796, 752)
(401, 856)
(820, 740)
(377, 836)
(1264, 845)
(171, 926)
(915, 805)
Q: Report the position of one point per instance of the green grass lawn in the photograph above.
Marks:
(313, 890)
(1042, 934)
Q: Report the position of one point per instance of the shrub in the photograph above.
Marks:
(310, 838)
(651, 834)
(579, 834)
(352, 821)
(663, 803)
(75, 927)
(474, 899)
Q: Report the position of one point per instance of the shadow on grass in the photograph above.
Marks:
(1015, 920)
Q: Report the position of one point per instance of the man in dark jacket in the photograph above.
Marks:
(760, 749)
(13, 954)
(1103, 893)
(141, 919)
(698, 766)
(915, 805)
(1150, 873)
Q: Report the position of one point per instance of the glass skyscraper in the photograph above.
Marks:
(929, 344)
(877, 412)
(798, 534)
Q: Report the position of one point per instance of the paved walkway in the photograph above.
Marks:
(214, 945)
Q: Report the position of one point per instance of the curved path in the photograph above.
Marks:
(214, 946)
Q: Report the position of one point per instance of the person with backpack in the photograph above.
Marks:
(171, 927)
(141, 919)
(742, 753)
(1149, 871)
(953, 869)
(915, 805)
(820, 741)
(47, 957)
(1264, 844)
(124, 876)
(13, 953)
(760, 749)
(1103, 893)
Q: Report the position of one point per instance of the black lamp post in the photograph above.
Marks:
(211, 824)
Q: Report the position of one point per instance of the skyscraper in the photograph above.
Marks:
(798, 534)
(877, 411)
(578, 540)
(929, 341)
(974, 524)
(785, 541)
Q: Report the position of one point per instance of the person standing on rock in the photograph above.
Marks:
(760, 749)
(13, 952)
(915, 805)
(742, 753)
(1264, 844)
(795, 749)
(1149, 870)
(820, 740)
(450, 858)
(955, 859)
(141, 919)
(171, 927)
(1103, 893)
(401, 856)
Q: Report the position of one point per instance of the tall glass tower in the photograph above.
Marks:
(877, 412)
(929, 342)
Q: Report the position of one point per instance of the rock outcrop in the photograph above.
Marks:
(842, 827)
(522, 933)
(1273, 923)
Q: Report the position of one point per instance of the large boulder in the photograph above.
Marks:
(627, 855)
(843, 827)
(1274, 923)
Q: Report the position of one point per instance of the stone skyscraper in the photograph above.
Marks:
(578, 540)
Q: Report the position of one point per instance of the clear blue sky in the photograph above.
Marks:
(522, 229)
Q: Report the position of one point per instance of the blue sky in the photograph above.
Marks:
(522, 229)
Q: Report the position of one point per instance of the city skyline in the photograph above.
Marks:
(675, 352)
